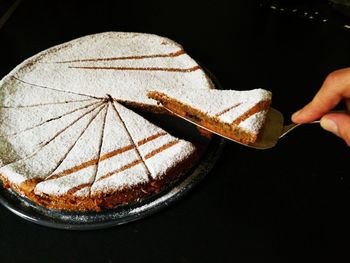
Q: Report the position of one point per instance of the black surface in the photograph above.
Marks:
(280, 205)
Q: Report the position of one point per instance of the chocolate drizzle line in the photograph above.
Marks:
(151, 138)
(77, 188)
(106, 156)
(162, 148)
(114, 153)
(72, 146)
(183, 70)
(91, 162)
(123, 168)
(135, 162)
(55, 118)
(253, 110)
(227, 109)
(45, 87)
(173, 54)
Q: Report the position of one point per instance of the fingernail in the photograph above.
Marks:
(329, 125)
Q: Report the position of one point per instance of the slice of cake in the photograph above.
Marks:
(66, 142)
(239, 115)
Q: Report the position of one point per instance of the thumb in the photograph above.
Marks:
(338, 124)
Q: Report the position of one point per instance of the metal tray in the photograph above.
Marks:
(32, 212)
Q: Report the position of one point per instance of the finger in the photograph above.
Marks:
(335, 88)
(338, 124)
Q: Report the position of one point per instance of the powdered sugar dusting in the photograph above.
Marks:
(226, 105)
(254, 122)
(129, 85)
(59, 124)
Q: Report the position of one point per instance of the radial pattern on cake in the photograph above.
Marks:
(66, 141)
(239, 115)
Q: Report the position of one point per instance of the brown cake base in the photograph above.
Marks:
(102, 201)
(212, 123)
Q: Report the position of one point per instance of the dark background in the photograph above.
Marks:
(280, 205)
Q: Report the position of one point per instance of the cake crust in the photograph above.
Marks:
(102, 200)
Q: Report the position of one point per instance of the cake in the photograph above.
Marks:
(239, 115)
(70, 138)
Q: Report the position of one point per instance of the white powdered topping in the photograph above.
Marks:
(25, 142)
(62, 185)
(138, 127)
(45, 159)
(58, 123)
(15, 92)
(121, 152)
(83, 151)
(160, 164)
(16, 119)
(226, 105)
(254, 122)
(153, 145)
(95, 65)
(111, 166)
(114, 135)
(159, 154)
(124, 179)
(83, 192)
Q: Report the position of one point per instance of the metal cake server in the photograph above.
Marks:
(271, 133)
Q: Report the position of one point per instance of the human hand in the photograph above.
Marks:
(335, 88)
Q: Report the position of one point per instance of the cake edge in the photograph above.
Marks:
(101, 201)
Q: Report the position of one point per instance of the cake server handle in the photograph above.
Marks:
(288, 128)
(275, 129)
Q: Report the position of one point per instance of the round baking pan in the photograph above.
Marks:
(122, 214)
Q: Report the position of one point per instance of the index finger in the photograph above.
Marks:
(335, 88)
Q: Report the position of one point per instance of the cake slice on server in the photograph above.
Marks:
(239, 115)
